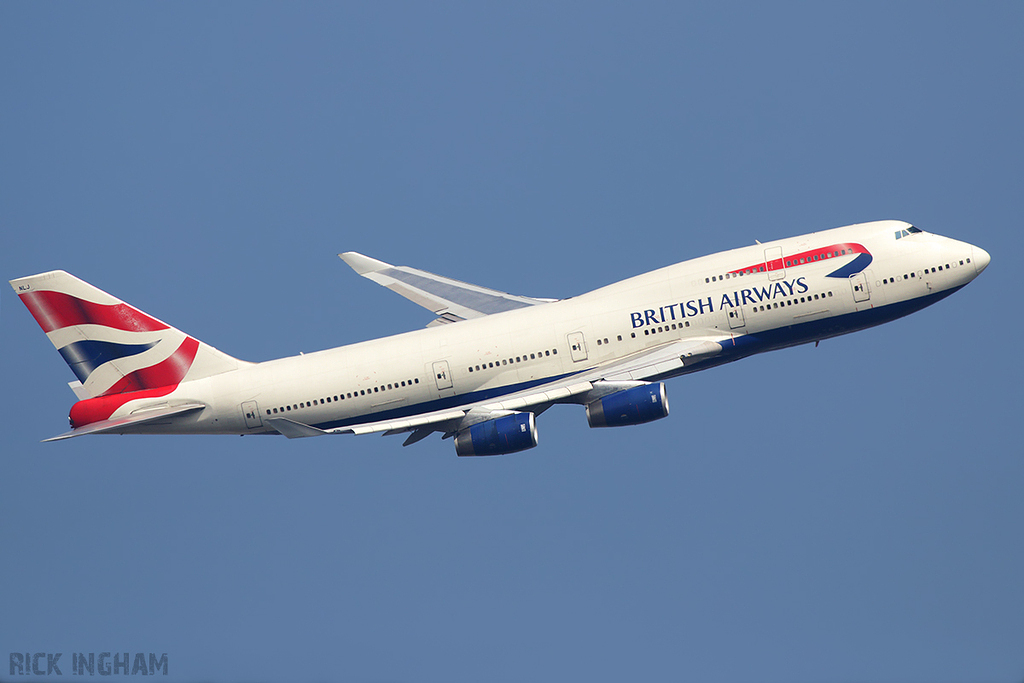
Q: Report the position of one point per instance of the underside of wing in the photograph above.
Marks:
(450, 300)
(585, 386)
(123, 424)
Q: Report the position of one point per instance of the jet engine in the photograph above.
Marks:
(507, 434)
(633, 406)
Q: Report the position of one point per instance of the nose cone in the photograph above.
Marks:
(980, 259)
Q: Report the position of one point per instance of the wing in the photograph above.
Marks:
(119, 424)
(448, 299)
(582, 387)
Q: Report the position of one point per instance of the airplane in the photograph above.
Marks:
(490, 362)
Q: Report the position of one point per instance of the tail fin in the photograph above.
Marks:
(113, 347)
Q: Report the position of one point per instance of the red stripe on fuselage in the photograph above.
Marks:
(57, 310)
(806, 257)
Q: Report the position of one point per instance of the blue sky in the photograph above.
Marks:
(846, 512)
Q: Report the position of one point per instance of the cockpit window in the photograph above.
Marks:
(908, 232)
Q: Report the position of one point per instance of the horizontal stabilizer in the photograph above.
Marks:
(450, 300)
(120, 424)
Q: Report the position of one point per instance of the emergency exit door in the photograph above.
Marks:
(859, 283)
(577, 346)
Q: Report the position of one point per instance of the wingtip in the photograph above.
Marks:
(362, 264)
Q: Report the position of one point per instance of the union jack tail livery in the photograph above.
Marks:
(118, 353)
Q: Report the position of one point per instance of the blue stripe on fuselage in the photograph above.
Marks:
(733, 350)
(443, 403)
(815, 330)
(855, 266)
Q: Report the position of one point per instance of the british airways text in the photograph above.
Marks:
(694, 307)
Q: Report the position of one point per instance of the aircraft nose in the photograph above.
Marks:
(980, 258)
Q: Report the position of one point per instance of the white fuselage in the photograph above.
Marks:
(775, 302)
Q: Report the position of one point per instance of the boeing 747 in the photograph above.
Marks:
(490, 362)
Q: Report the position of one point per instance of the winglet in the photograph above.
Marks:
(363, 264)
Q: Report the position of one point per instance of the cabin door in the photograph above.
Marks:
(252, 415)
(774, 264)
(860, 287)
(442, 375)
(577, 347)
(735, 318)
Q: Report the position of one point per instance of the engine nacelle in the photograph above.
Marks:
(635, 406)
(499, 436)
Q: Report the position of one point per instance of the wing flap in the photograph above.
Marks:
(403, 425)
